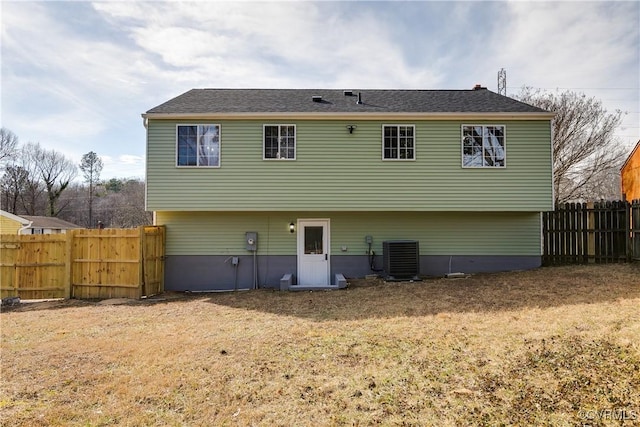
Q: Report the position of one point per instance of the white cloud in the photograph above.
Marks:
(88, 64)
(561, 44)
(181, 47)
(69, 89)
(128, 159)
(73, 125)
(282, 44)
(124, 165)
(590, 47)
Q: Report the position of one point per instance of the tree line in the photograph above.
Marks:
(587, 156)
(39, 181)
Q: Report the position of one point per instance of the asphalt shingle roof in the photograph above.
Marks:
(49, 222)
(204, 101)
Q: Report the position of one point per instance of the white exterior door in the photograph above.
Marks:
(313, 252)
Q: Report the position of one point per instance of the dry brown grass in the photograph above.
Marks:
(524, 348)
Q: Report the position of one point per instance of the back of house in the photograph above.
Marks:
(257, 185)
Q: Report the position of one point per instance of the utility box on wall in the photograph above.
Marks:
(251, 240)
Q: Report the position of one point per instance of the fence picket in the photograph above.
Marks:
(107, 263)
(600, 232)
(635, 229)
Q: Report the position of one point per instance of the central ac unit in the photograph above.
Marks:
(401, 259)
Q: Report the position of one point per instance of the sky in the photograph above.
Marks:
(76, 76)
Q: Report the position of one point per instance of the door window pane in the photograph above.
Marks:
(313, 240)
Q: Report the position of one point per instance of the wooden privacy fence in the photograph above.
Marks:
(601, 232)
(108, 263)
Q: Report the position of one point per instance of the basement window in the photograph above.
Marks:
(279, 142)
(398, 142)
(198, 145)
(483, 146)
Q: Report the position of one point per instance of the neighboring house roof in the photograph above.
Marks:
(207, 101)
(49, 222)
(13, 217)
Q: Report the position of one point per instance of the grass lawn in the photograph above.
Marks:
(554, 346)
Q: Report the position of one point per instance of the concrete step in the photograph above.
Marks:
(287, 280)
(312, 287)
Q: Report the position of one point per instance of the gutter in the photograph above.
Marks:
(350, 116)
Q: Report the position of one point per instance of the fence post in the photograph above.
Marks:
(557, 235)
(16, 270)
(571, 237)
(591, 241)
(68, 248)
(142, 291)
(585, 235)
(627, 228)
(164, 251)
(545, 238)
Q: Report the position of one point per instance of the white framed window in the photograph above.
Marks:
(279, 142)
(398, 142)
(483, 146)
(198, 145)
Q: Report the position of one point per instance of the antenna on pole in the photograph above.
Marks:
(502, 82)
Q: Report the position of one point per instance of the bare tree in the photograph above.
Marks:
(8, 146)
(74, 199)
(584, 146)
(32, 191)
(32, 197)
(134, 213)
(123, 205)
(91, 166)
(37, 181)
(13, 186)
(605, 184)
(55, 171)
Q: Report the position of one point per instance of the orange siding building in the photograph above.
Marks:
(630, 175)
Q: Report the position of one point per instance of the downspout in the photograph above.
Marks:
(145, 123)
(26, 227)
(553, 187)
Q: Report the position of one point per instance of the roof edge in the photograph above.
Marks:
(354, 116)
(17, 218)
(636, 148)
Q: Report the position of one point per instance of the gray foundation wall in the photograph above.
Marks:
(216, 273)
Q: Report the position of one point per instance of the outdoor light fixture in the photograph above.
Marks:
(351, 128)
(292, 227)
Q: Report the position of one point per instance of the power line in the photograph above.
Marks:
(559, 87)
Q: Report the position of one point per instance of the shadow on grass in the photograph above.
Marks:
(61, 304)
(541, 288)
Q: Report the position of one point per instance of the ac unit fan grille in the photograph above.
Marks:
(401, 259)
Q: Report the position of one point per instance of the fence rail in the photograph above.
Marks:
(107, 263)
(580, 233)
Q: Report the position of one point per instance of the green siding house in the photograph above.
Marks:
(296, 188)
